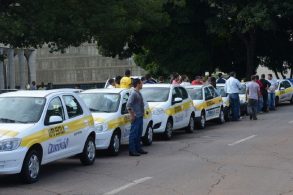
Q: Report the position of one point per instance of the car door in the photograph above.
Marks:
(288, 90)
(282, 91)
(186, 106)
(76, 124)
(217, 102)
(208, 103)
(177, 109)
(57, 145)
(125, 118)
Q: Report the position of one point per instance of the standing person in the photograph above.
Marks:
(176, 79)
(112, 83)
(184, 80)
(42, 86)
(33, 86)
(260, 98)
(233, 87)
(253, 94)
(271, 92)
(220, 79)
(135, 107)
(197, 81)
(161, 79)
(125, 82)
(117, 81)
(213, 82)
(148, 79)
(264, 91)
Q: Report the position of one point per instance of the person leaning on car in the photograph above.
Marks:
(135, 107)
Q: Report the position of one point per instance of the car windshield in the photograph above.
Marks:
(21, 109)
(221, 91)
(101, 102)
(195, 93)
(155, 94)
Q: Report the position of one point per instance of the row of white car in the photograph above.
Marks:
(38, 127)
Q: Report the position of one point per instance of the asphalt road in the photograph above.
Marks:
(246, 157)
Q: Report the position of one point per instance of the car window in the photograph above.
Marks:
(213, 92)
(124, 102)
(183, 92)
(287, 84)
(155, 94)
(55, 108)
(195, 93)
(207, 94)
(72, 106)
(175, 93)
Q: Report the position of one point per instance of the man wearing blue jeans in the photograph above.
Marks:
(135, 107)
(232, 87)
(271, 92)
(253, 94)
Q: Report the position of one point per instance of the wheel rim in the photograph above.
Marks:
(169, 129)
(91, 151)
(150, 134)
(34, 166)
(202, 121)
(222, 117)
(116, 143)
(191, 124)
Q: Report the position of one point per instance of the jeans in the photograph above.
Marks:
(260, 104)
(265, 101)
(135, 134)
(252, 108)
(272, 98)
(235, 106)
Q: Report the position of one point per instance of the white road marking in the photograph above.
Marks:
(135, 182)
(290, 122)
(242, 140)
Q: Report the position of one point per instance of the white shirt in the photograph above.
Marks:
(273, 87)
(233, 85)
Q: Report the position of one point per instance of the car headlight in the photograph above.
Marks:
(101, 127)
(158, 111)
(9, 144)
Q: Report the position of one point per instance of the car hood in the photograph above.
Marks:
(9, 130)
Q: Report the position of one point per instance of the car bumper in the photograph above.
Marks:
(103, 140)
(159, 122)
(11, 161)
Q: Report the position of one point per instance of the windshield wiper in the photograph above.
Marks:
(7, 120)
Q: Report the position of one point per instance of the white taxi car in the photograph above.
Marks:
(38, 127)
(112, 119)
(171, 107)
(208, 104)
(284, 92)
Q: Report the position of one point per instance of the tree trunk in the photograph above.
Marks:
(276, 73)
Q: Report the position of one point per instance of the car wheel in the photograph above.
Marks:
(202, 123)
(31, 166)
(191, 125)
(221, 118)
(147, 139)
(88, 155)
(115, 143)
(169, 130)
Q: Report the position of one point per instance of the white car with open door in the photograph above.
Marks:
(112, 119)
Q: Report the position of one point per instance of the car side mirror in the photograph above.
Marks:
(282, 88)
(55, 120)
(177, 100)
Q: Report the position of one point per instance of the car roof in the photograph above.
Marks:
(221, 84)
(105, 90)
(30, 93)
(163, 85)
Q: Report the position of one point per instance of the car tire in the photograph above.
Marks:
(168, 130)
(31, 167)
(115, 143)
(221, 118)
(191, 125)
(147, 139)
(202, 122)
(88, 155)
